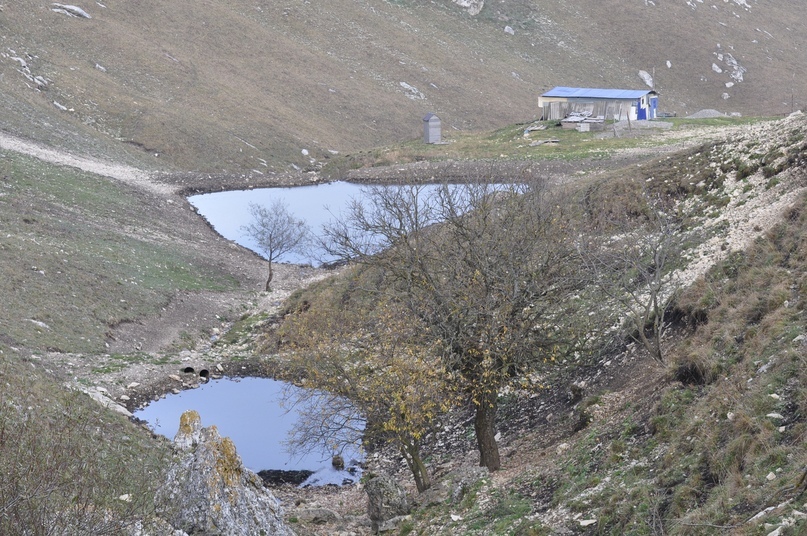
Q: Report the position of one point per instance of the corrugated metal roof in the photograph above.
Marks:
(595, 93)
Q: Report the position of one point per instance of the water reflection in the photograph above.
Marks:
(318, 205)
(228, 212)
(251, 413)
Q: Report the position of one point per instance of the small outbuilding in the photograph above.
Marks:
(633, 104)
(432, 130)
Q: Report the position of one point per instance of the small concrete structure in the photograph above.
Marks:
(432, 130)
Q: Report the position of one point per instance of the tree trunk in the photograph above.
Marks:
(411, 454)
(485, 428)
(269, 279)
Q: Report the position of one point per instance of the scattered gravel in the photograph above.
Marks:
(706, 114)
(750, 212)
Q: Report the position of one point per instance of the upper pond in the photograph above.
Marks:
(228, 212)
(251, 412)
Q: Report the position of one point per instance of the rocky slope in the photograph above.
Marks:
(750, 203)
(711, 440)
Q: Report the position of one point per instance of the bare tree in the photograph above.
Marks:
(633, 267)
(276, 232)
(482, 267)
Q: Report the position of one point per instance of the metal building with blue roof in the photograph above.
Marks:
(634, 104)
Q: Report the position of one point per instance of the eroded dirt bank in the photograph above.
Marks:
(185, 333)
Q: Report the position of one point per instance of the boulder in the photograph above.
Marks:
(100, 395)
(317, 516)
(386, 499)
(338, 462)
(209, 491)
(72, 11)
(452, 487)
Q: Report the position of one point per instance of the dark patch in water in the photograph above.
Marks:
(277, 477)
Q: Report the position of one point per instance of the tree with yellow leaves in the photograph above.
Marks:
(368, 376)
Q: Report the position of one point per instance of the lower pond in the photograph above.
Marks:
(250, 410)
(252, 413)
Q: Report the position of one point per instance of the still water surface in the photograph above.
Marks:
(318, 205)
(228, 212)
(250, 412)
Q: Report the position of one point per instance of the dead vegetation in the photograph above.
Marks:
(571, 438)
(616, 444)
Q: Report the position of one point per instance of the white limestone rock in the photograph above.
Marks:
(474, 7)
(100, 395)
(69, 10)
(209, 491)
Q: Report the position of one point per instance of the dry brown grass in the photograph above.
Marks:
(70, 466)
(228, 86)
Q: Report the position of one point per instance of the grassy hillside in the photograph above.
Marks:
(82, 254)
(690, 445)
(70, 466)
(241, 85)
(614, 443)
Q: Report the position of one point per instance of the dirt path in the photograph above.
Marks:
(127, 174)
(746, 217)
(190, 320)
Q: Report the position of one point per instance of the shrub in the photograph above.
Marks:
(68, 465)
(745, 170)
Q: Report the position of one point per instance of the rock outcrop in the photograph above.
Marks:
(101, 395)
(474, 7)
(386, 500)
(209, 491)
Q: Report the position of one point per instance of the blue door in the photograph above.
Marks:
(653, 107)
(641, 111)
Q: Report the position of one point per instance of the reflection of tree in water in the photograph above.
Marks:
(475, 272)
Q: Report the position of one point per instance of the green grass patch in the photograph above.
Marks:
(79, 256)
(724, 121)
(510, 142)
(507, 511)
(243, 329)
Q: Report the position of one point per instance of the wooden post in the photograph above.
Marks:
(617, 120)
(605, 120)
(630, 129)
